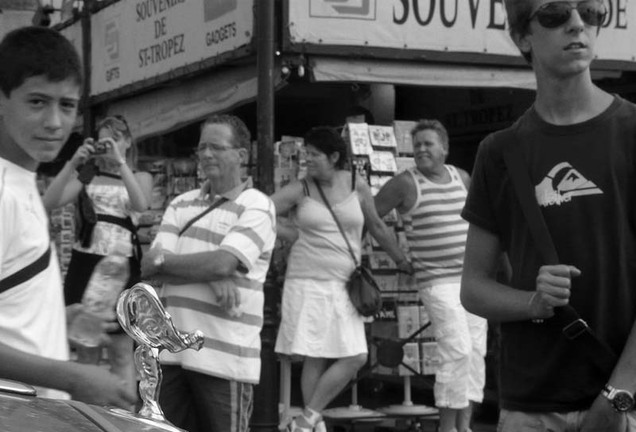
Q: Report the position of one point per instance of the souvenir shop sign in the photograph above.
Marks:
(135, 40)
(445, 26)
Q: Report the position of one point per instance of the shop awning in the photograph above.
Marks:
(185, 102)
(419, 74)
(338, 69)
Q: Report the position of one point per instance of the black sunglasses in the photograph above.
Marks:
(555, 14)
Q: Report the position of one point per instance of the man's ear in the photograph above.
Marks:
(522, 42)
(244, 155)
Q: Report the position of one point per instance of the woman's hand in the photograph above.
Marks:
(405, 266)
(112, 150)
(83, 153)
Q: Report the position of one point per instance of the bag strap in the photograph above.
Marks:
(324, 198)
(27, 272)
(127, 224)
(214, 205)
(305, 187)
(525, 194)
(572, 324)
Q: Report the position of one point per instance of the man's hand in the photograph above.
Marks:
(205, 189)
(151, 261)
(553, 289)
(227, 295)
(602, 417)
(95, 385)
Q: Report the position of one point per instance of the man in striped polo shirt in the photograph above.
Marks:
(212, 253)
(430, 197)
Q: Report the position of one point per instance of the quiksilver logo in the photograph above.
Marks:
(563, 183)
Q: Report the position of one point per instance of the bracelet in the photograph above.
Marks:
(536, 320)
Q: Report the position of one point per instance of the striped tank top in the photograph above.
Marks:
(435, 230)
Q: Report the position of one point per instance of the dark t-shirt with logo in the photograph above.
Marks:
(585, 184)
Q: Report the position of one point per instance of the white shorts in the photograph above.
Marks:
(461, 341)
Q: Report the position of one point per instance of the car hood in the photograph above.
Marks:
(21, 411)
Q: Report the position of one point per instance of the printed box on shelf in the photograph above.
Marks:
(361, 166)
(430, 358)
(387, 283)
(411, 358)
(383, 161)
(408, 317)
(402, 130)
(381, 261)
(358, 136)
(382, 136)
(387, 313)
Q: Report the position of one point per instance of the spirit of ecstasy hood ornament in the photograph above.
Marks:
(144, 318)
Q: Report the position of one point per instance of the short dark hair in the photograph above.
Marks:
(328, 140)
(518, 13)
(434, 125)
(240, 132)
(37, 51)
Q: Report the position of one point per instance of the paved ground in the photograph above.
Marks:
(375, 393)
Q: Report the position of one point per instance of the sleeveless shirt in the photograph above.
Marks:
(320, 251)
(435, 230)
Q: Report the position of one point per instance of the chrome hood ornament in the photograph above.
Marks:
(144, 318)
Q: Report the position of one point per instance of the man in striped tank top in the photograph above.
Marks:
(430, 197)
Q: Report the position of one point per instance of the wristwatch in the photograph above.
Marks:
(158, 261)
(621, 400)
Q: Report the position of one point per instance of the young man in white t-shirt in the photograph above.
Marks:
(40, 87)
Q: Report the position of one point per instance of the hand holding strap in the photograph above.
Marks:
(573, 326)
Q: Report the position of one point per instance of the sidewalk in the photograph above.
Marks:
(376, 393)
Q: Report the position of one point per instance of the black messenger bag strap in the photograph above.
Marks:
(573, 326)
(127, 224)
(216, 204)
(27, 272)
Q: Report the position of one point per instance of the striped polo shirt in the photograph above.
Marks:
(245, 227)
(435, 230)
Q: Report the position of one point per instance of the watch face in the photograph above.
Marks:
(623, 401)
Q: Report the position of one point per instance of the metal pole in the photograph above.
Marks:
(265, 414)
(265, 98)
(87, 111)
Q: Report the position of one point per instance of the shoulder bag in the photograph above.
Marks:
(363, 290)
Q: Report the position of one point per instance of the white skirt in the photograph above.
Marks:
(318, 320)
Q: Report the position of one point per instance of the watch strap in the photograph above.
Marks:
(621, 400)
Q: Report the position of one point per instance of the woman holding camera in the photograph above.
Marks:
(110, 194)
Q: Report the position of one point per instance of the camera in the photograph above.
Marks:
(100, 147)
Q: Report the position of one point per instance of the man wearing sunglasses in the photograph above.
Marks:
(578, 146)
